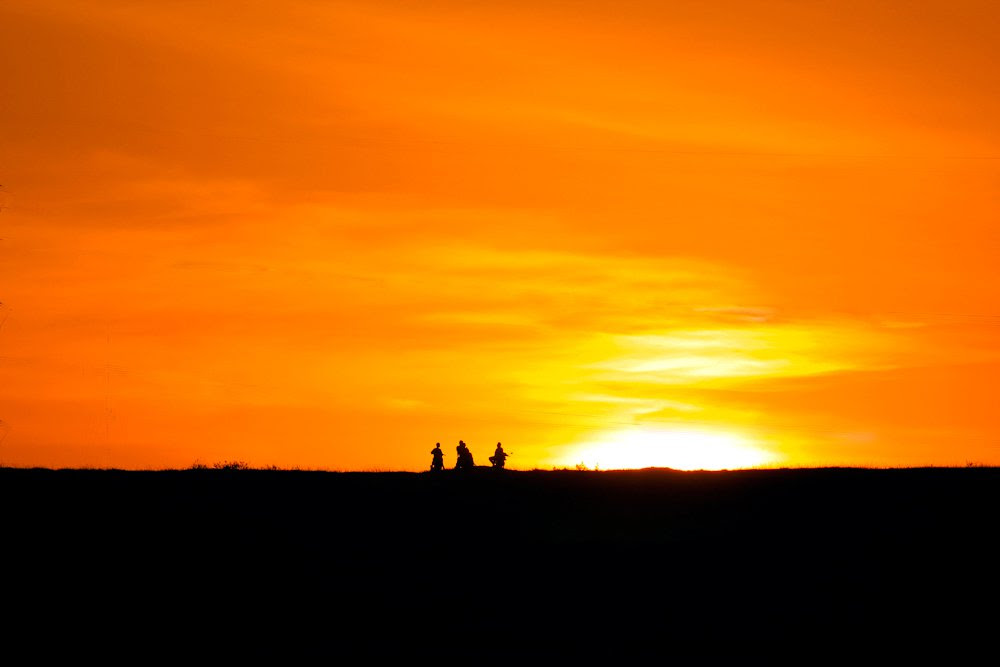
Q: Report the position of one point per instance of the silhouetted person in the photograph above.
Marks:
(437, 458)
(499, 458)
(463, 457)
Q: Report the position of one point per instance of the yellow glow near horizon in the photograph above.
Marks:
(681, 449)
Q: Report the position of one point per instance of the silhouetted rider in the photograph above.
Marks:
(499, 458)
(437, 458)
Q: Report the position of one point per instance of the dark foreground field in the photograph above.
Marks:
(555, 565)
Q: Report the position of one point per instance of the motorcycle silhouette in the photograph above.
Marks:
(498, 462)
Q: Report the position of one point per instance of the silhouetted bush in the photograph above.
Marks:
(231, 465)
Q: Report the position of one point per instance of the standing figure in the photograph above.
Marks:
(463, 458)
(499, 458)
(437, 458)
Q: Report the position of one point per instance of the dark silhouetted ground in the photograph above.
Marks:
(564, 566)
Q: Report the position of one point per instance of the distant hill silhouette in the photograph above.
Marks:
(564, 565)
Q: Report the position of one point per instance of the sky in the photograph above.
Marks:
(327, 235)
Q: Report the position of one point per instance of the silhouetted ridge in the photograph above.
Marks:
(668, 562)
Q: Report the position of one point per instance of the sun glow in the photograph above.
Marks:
(681, 449)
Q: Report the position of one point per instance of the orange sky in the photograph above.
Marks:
(330, 234)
